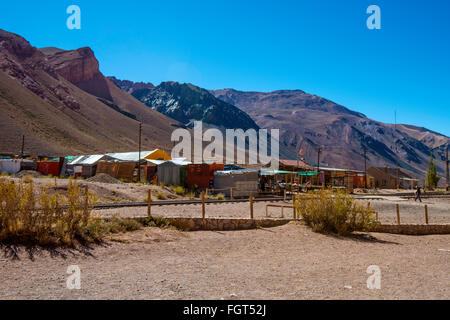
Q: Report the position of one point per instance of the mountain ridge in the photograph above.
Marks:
(53, 98)
(310, 121)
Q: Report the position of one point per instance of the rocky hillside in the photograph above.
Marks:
(186, 102)
(63, 104)
(309, 122)
(130, 86)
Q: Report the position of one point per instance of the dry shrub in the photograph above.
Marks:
(191, 195)
(29, 216)
(159, 222)
(219, 196)
(27, 179)
(117, 225)
(160, 195)
(179, 190)
(334, 212)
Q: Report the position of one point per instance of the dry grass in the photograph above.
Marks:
(334, 212)
(219, 196)
(40, 217)
(29, 216)
(161, 196)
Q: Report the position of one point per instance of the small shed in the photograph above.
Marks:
(202, 174)
(172, 172)
(86, 166)
(243, 182)
(150, 168)
(119, 170)
(10, 166)
(49, 167)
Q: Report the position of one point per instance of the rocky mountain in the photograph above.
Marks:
(185, 102)
(130, 86)
(308, 122)
(63, 104)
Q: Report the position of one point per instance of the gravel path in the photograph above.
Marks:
(287, 262)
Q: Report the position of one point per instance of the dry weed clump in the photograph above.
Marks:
(334, 212)
(161, 196)
(29, 216)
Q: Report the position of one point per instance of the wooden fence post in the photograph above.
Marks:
(426, 214)
(293, 206)
(203, 205)
(231, 193)
(149, 203)
(284, 196)
(251, 205)
(398, 213)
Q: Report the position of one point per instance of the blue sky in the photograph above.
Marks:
(321, 47)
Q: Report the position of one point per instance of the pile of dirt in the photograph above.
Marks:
(31, 173)
(103, 178)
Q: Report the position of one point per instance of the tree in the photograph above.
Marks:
(431, 179)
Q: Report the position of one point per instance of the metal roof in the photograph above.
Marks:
(241, 171)
(87, 160)
(130, 156)
(293, 163)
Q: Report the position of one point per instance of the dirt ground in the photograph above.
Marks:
(410, 212)
(286, 262)
(110, 192)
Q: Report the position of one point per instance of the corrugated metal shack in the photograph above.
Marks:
(49, 167)
(118, 170)
(172, 172)
(85, 166)
(244, 182)
(150, 169)
(10, 166)
(202, 174)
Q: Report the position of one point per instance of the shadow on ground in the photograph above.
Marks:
(361, 237)
(14, 251)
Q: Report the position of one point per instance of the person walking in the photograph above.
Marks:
(417, 194)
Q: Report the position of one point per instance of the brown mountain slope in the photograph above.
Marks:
(309, 122)
(57, 116)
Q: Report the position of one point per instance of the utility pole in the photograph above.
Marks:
(139, 162)
(365, 168)
(396, 150)
(318, 158)
(318, 164)
(446, 165)
(23, 145)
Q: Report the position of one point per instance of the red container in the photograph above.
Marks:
(48, 167)
(201, 174)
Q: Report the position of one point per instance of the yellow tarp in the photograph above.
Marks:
(158, 154)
